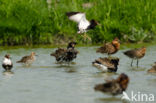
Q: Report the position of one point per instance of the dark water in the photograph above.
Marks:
(47, 82)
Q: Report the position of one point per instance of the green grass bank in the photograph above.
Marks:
(25, 22)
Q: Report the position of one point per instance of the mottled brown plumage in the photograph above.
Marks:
(59, 53)
(107, 64)
(153, 69)
(110, 48)
(136, 54)
(66, 55)
(115, 86)
(28, 59)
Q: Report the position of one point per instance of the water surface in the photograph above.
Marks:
(47, 82)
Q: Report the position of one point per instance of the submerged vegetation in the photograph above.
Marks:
(24, 22)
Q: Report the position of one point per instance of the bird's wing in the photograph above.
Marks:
(23, 59)
(106, 62)
(76, 16)
(111, 87)
(105, 48)
(130, 53)
(59, 52)
(109, 48)
(84, 23)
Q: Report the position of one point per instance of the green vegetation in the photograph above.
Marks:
(24, 22)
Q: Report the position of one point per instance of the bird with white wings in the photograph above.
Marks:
(83, 24)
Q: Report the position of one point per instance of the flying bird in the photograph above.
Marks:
(83, 24)
(7, 63)
(115, 86)
(137, 54)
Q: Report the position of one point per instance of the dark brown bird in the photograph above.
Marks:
(115, 86)
(66, 55)
(7, 63)
(106, 64)
(28, 60)
(153, 69)
(136, 54)
(110, 48)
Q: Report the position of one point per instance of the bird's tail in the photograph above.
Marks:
(126, 53)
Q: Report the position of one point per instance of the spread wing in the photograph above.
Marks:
(76, 16)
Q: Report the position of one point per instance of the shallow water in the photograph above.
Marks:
(47, 82)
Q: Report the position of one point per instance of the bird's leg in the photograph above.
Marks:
(132, 63)
(88, 37)
(137, 63)
(85, 36)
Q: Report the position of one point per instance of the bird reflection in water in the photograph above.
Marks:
(8, 73)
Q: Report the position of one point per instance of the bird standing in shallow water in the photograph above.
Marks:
(28, 60)
(136, 54)
(7, 63)
(106, 64)
(153, 69)
(63, 55)
(110, 48)
(115, 86)
(83, 24)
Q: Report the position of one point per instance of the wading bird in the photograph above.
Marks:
(115, 86)
(153, 69)
(83, 24)
(28, 60)
(63, 55)
(7, 63)
(110, 48)
(136, 54)
(106, 64)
